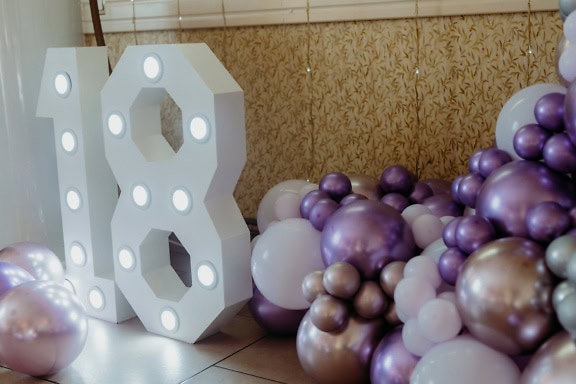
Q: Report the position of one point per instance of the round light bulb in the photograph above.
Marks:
(181, 200)
(152, 67)
(116, 124)
(96, 298)
(206, 274)
(68, 141)
(73, 199)
(199, 128)
(77, 254)
(141, 196)
(126, 259)
(62, 84)
(169, 319)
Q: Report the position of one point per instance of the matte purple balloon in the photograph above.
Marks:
(397, 178)
(549, 111)
(449, 233)
(443, 205)
(11, 276)
(336, 184)
(391, 361)
(321, 211)
(560, 154)
(421, 192)
(309, 200)
(367, 234)
(547, 220)
(510, 191)
(529, 141)
(276, 320)
(43, 328)
(492, 159)
(439, 186)
(351, 198)
(570, 112)
(450, 264)
(474, 161)
(396, 200)
(473, 232)
(468, 189)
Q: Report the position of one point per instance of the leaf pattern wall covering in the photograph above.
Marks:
(362, 106)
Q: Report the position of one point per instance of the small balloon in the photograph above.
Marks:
(439, 320)
(549, 111)
(266, 209)
(450, 264)
(392, 363)
(328, 313)
(396, 200)
(414, 339)
(336, 184)
(309, 200)
(425, 268)
(274, 319)
(35, 258)
(287, 206)
(468, 189)
(559, 252)
(11, 276)
(414, 211)
(474, 161)
(443, 205)
(566, 312)
(391, 316)
(366, 185)
(492, 159)
(473, 232)
(561, 291)
(439, 186)
(370, 302)
(420, 193)
(547, 221)
(567, 6)
(397, 178)
(554, 362)
(390, 276)
(529, 141)
(559, 153)
(321, 212)
(312, 286)
(449, 232)
(351, 198)
(342, 280)
(427, 229)
(411, 294)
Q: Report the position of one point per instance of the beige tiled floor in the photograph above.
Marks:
(242, 353)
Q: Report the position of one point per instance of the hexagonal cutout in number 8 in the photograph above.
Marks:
(188, 192)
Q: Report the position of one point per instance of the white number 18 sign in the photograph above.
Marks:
(108, 133)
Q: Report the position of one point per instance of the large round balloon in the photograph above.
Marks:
(465, 360)
(35, 258)
(391, 362)
(519, 111)
(276, 320)
(509, 192)
(283, 256)
(367, 234)
(504, 294)
(341, 357)
(11, 276)
(554, 362)
(43, 328)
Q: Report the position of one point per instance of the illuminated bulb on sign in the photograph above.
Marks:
(62, 84)
(199, 129)
(116, 124)
(68, 141)
(169, 319)
(96, 298)
(152, 67)
(206, 275)
(73, 199)
(77, 254)
(141, 196)
(126, 259)
(181, 200)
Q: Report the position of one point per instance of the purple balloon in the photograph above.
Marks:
(321, 211)
(420, 193)
(570, 112)
(309, 200)
(454, 188)
(449, 232)
(276, 320)
(351, 198)
(547, 220)
(336, 184)
(473, 232)
(397, 178)
(510, 191)
(392, 363)
(468, 189)
(474, 161)
(396, 200)
(450, 264)
(560, 154)
(549, 111)
(12, 275)
(443, 205)
(529, 141)
(492, 159)
(438, 186)
(367, 234)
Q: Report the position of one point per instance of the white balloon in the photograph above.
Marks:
(435, 249)
(282, 257)
(414, 211)
(567, 64)
(427, 229)
(439, 320)
(267, 208)
(414, 340)
(570, 27)
(423, 267)
(287, 206)
(519, 111)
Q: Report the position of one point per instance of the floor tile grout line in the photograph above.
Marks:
(250, 374)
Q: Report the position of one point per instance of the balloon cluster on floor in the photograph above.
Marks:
(43, 325)
(400, 280)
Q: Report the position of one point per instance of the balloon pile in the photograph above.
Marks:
(43, 325)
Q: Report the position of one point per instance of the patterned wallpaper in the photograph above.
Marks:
(362, 106)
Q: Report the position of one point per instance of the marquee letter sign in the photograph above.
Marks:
(188, 192)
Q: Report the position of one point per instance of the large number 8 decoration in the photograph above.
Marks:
(188, 192)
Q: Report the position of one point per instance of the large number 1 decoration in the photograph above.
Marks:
(188, 192)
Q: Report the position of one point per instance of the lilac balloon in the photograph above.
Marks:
(321, 211)
(450, 264)
(529, 141)
(438, 186)
(443, 205)
(547, 220)
(449, 233)
(474, 161)
(367, 234)
(391, 362)
(468, 189)
(473, 232)
(510, 191)
(309, 200)
(420, 193)
(35, 258)
(560, 154)
(492, 159)
(276, 320)
(396, 200)
(43, 328)
(549, 111)
(336, 184)
(397, 178)
(570, 112)
(454, 188)
(351, 198)
(12, 275)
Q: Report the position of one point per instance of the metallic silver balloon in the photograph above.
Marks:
(341, 357)
(504, 295)
(567, 6)
(328, 313)
(342, 280)
(35, 258)
(562, 290)
(563, 44)
(390, 275)
(553, 363)
(558, 253)
(43, 328)
(370, 302)
(566, 312)
(312, 286)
